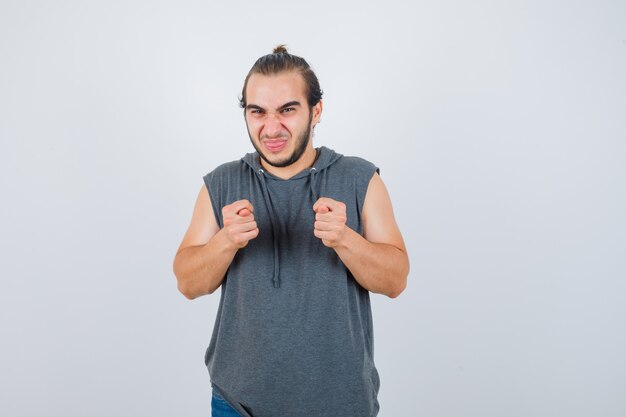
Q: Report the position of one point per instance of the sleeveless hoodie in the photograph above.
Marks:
(293, 335)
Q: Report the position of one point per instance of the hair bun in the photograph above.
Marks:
(280, 49)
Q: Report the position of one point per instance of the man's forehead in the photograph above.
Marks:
(276, 88)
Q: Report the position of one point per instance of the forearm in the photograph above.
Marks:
(377, 267)
(200, 270)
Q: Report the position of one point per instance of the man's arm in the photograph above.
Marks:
(206, 250)
(378, 260)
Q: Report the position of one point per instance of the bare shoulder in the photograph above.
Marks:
(379, 223)
(203, 224)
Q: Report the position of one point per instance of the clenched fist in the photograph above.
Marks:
(330, 221)
(239, 224)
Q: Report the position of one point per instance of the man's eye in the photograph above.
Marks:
(288, 109)
(255, 111)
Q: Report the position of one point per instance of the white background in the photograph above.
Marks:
(499, 129)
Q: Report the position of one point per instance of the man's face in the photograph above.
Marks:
(278, 117)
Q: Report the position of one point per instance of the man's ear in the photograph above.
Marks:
(317, 113)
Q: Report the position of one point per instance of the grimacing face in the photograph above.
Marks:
(278, 118)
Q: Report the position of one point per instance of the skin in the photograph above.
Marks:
(277, 110)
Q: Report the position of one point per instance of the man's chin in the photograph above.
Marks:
(277, 162)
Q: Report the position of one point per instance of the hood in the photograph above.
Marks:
(325, 158)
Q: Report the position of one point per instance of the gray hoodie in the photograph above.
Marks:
(293, 334)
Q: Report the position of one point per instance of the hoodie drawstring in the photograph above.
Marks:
(272, 217)
(270, 208)
(312, 183)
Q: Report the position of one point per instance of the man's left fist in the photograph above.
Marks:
(330, 221)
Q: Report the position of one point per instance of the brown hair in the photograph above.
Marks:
(282, 61)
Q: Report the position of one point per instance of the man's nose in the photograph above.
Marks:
(273, 126)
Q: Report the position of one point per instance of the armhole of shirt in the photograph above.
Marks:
(365, 176)
(214, 196)
(365, 173)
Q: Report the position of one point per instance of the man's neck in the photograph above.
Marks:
(306, 161)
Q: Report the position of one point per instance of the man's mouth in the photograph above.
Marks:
(275, 145)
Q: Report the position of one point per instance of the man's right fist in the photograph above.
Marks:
(239, 224)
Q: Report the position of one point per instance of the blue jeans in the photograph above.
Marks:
(220, 408)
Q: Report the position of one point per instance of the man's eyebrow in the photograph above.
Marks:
(254, 106)
(289, 104)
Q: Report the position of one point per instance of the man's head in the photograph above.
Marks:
(281, 98)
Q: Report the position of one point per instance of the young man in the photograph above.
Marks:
(297, 237)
